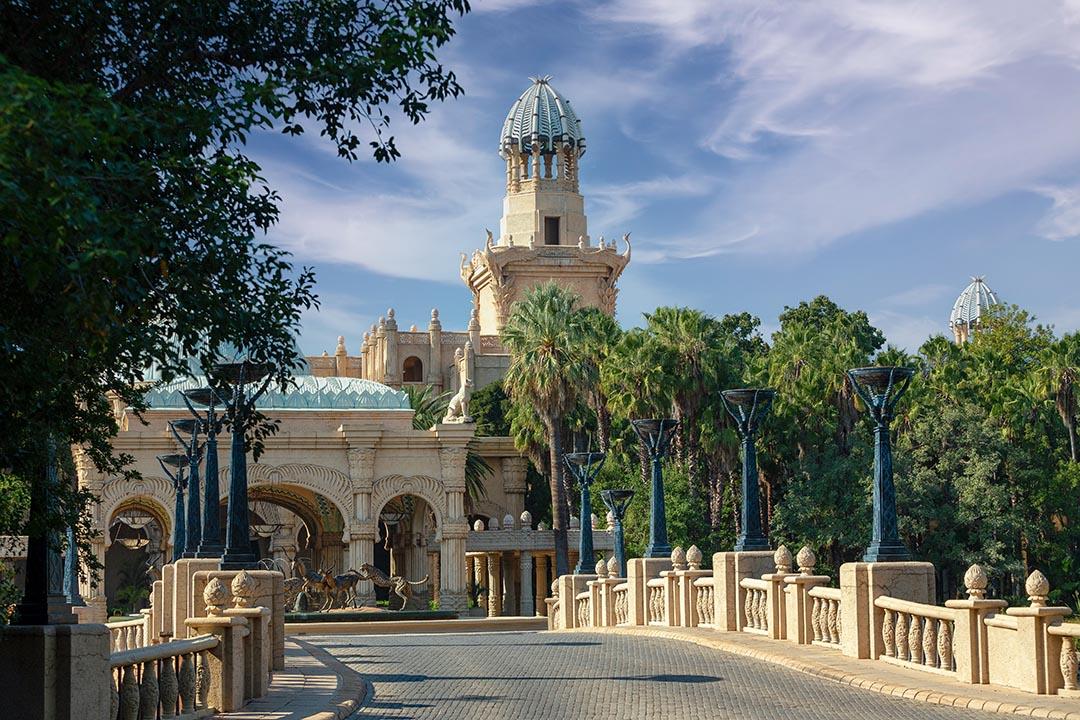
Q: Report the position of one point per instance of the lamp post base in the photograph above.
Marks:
(238, 561)
(747, 544)
(210, 551)
(658, 551)
(887, 551)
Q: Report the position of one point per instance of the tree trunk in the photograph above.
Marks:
(603, 425)
(1071, 425)
(560, 514)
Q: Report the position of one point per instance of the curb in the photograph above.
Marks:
(957, 699)
(353, 690)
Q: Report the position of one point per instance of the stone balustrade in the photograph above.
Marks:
(880, 611)
(168, 680)
(130, 634)
(826, 616)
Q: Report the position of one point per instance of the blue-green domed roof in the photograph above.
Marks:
(541, 116)
(309, 393)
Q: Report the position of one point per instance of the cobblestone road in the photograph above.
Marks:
(551, 677)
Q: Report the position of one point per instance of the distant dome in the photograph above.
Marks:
(309, 393)
(969, 307)
(541, 116)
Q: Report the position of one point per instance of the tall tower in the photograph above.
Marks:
(969, 307)
(543, 233)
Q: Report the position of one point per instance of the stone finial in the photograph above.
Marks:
(541, 525)
(434, 314)
(610, 519)
(508, 522)
(478, 526)
(215, 595)
(474, 320)
(806, 559)
(526, 520)
(601, 568)
(694, 557)
(493, 523)
(594, 520)
(782, 559)
(510, 240)
(581, 241)
(340, 349)
(574, 522)
(325, 354)
(678, 558)
(412, 328)
(976, 580)
(555, 587)
(1037, 588)
(243, 589)
(613, 568)
(390, 313)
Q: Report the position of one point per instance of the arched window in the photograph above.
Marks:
(412, 370)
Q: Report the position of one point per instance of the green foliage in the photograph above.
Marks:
(128, 598)
(9, 593)
(130, 217)
(490, 407)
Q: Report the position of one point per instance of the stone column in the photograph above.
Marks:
(509, 605)
(433, 370)
(542, 584)
(434, 576)
(483, 600)
(362, 527)
(495, 592)
(528, 607)
(393, 371)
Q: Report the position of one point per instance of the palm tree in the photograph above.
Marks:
(544, 337)
(1060, 374)
(600, 335)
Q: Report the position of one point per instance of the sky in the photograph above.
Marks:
(761, 153)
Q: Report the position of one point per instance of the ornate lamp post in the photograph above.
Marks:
(193, 451)
(210, 543)
(237, 376)
(585, 466)
(71, 572)
(655, 436)
(748, 407)
(179, 463)
(880, 388)
(617, 502)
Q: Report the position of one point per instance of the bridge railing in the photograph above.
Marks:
(878, 611)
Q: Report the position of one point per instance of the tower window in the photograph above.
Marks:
(551, 231)
(412, 370)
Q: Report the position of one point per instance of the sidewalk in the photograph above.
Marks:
(313, 686)
(870, 674)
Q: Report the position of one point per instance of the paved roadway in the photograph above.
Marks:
(492, 676)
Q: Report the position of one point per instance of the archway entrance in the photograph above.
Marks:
(406, 544)
(137, 547)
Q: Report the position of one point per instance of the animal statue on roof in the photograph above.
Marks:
(398, 585)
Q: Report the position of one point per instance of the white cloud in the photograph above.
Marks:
(921, 295)
(905, 330)
(1062, 221)
(846, 115)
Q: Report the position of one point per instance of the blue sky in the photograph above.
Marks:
(761, 153)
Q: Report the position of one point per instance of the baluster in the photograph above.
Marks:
(1069, 662)
(148, 691)
(944, 645)
(929, 643)
(915, 639)
(834, 630)
(131, 643)
(748, 609)
(114, 694)
(129, 694)
(815, 619)
(763, 609)
(121, 640)
(202, 679)
(839, 621)
(901, 636)
(168, 689)
(187, 683)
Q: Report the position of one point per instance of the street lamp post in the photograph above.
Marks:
(748, 407)
(655, 437)
(179, 464)
(210, 543)
(880, 388)
(236, 376)
(190, 427)
(617, 502)
(585, 466)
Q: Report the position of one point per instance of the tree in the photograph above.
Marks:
(544, 337)
(1060, 374)
(600, 335)
(130, 216)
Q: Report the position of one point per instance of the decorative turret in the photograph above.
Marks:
(968, 309)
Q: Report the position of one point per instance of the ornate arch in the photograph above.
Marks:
(117, 491)
(427, 488)
(332, 484)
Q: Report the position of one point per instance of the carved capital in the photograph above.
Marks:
(452, 462)
(361, 465)
(513, 470)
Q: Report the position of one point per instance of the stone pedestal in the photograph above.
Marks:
(729, 568)
(228, 679)
(799, 606)
(569, 587)
(861, 584)
(528, 601)
(257, 649)
(184, 596)
(638, 572)
(270, 593)
(55, 672)
(1033, 669)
